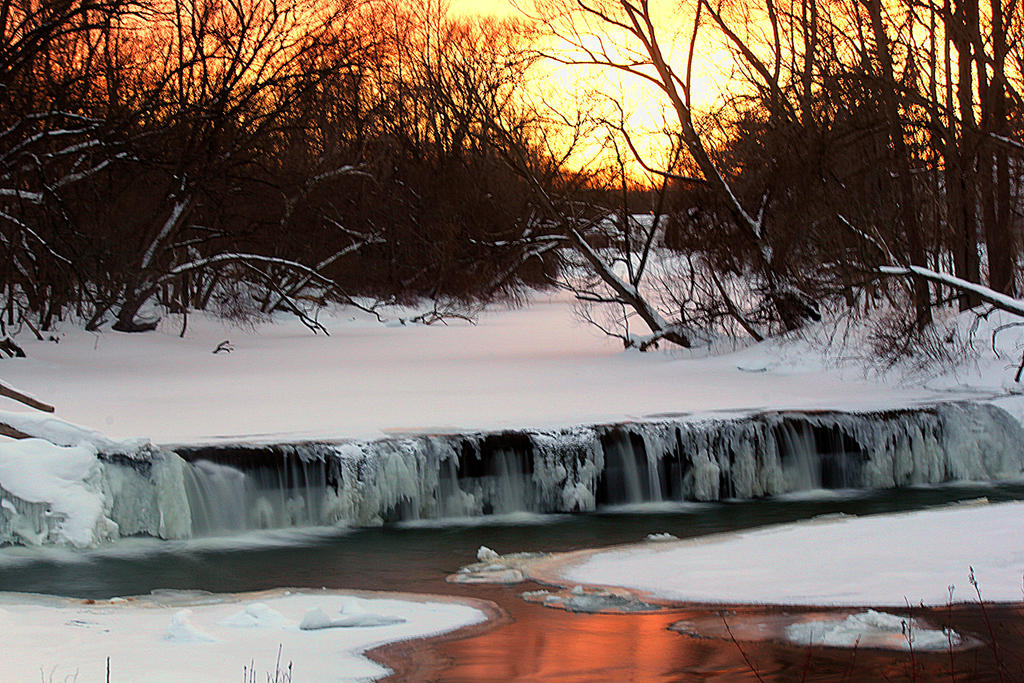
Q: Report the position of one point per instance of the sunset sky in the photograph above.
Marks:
(497, 7)
(646, 109)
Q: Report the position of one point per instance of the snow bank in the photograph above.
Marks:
(878, 560)
(536, 367)
(64, 479)
(74, 486)
(155, 640)
(63, 433)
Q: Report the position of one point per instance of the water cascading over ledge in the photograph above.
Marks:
(100, 492)
(235, 488)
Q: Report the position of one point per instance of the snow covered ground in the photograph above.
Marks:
(534, 367)
(883, 560)
(531, 367)
(169, 638)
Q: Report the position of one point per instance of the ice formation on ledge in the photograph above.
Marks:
(68, 485)
(125, 488)
(579, 468)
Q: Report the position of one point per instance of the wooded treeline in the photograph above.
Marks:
(853, 141)
(246, 156)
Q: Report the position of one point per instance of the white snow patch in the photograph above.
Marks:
(535, 367)
(65, 478)
(181, 630)
(878, 560)
(150, 642)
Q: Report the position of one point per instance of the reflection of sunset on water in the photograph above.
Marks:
(552, 645)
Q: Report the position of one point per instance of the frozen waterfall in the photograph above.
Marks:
(216, 490)
(579, 468)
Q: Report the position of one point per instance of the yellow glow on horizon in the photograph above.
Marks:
(646, 110)
(498, 8)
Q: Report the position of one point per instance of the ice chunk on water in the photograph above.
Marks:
(872, 629)
(590, 600)
(485, 554)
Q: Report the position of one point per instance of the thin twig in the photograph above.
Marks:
(739, 647)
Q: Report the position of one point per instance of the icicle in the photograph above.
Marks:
(571, 469)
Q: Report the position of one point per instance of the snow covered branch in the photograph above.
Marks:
(26, 399)
(983, 293)
(631, 296)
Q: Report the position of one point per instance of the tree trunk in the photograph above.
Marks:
(962, 186)
(999, 233)
(902, 162)
(126, 321)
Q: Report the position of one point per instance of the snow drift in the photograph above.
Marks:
(931, 557)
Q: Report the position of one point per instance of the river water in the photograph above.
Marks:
(532, 642)
(416, 557)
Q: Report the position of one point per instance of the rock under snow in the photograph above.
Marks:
(353, 616)
(256, 615)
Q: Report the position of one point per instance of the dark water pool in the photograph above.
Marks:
(415, 557)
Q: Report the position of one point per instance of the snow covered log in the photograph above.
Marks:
(990, 296)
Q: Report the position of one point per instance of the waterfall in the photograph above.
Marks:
(580, 468)
(215, 490)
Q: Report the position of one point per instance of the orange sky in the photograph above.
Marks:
(499, 7)
(647, 108)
